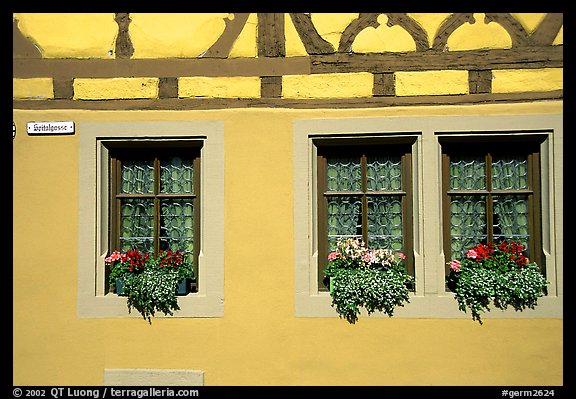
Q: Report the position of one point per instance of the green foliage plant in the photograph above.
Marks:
(500, 275)
(150, 284)
(374, 279)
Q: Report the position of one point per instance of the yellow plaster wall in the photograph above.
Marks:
(101, 88)
(259, 341)
(328, 85)
(33, 88)
(544, 79)
(70, 35)
(158, 35)
(335, 85)
(431, 83)
(222, 87)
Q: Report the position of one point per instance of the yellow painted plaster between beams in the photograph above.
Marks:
(125, 88)
(332, 85)
(245, 44)
(510, 80)
(479, 35)
(383, 38)
(33, 89)
(164, 35)
(529, 20)
(70, 35)
(221, 87)
(294, 46)
(431, 83)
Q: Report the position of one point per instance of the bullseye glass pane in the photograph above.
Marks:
(137, 176)
(384, 173)
(176, 176)
(137, 225)
(385, 222)
(177, 225)
(343, 174)
(511, 218)
(344, 219)
(467, 223)
(467, 173)
(509, 172)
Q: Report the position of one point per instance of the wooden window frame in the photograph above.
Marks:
(156, 151)
(362, 147)
(487, 146)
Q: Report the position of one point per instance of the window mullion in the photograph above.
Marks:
(364, 169)
(489, 200)
(156, 207)
(115, 205)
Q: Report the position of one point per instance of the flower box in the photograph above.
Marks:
(359, 277)
(120, 287)
(183, 287)
(498, 276)
(150, 284)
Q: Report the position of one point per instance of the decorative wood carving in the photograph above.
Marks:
(363, 21)
(548, 29)
(221, 48)
(124, 48)
(313, 42)
(528, 51)
(448, 27)
(366, 20)
(22, 47)
(514, 28)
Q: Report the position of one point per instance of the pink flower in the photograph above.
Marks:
(471, 254)
(332, 256)
(114, 256)
(455, 265)
(401, 255)
(370, 257)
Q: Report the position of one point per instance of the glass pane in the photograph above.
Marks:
(467, 223)
(509, 172)
(176, 175)
(511, 218)
(177, 225)
(137, 225)
(384, 173)
(137, 176)
(344, 219)
(385, 222)
(343, 174)
(467, 173)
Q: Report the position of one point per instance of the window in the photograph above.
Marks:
(364, 191)
(429, 186)
(151, 185)
(154, 204)
(492, 194)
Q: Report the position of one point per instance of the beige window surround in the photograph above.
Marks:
(93, 301)
(430, 299)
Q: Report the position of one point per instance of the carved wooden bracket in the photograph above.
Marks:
(124, 48)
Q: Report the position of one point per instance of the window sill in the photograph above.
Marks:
(191, 305)
(429, 307)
